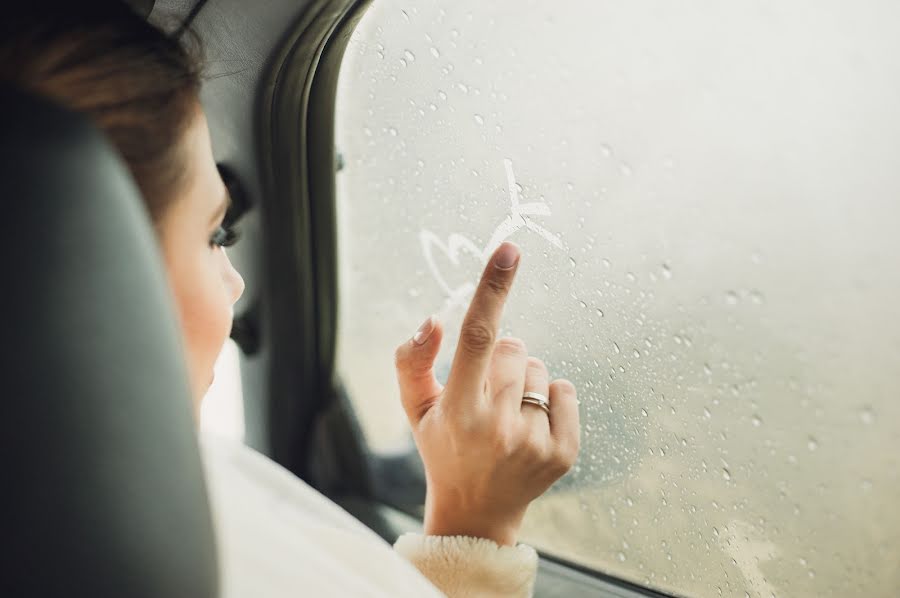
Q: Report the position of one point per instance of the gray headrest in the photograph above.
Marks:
(103, 492)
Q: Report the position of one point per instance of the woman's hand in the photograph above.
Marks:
(487, 455)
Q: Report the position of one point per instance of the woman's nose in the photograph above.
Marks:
(234, 282)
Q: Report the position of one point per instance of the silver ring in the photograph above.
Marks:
(536, 398)
(536, 395)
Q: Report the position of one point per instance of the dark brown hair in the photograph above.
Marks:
(138, 84)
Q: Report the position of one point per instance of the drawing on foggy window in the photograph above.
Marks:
(516, 219)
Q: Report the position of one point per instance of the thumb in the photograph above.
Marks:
(414, 361)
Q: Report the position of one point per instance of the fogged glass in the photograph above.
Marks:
(707, 196)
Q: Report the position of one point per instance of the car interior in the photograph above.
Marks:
(707, 194)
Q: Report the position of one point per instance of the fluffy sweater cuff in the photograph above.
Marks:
(464, 567)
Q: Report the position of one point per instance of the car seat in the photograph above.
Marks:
(104, 493)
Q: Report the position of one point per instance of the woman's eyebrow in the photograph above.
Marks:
(222, 209)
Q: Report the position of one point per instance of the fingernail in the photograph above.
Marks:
(424, 331)
(506, 256)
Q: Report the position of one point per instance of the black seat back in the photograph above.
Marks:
(103, 492)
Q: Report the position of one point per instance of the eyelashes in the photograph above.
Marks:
(224, 236)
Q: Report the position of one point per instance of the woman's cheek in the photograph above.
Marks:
(209, 319)
(218, 304)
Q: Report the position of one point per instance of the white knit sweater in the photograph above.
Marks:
(279, 537)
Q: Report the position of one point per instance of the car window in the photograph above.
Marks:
(706, 197)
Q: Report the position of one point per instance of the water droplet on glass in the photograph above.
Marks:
(637, 354)
(644, 412)
(479, 119)
(392, 131)
(707, 413)
(757, 297)
(463, 87)
(546, 287)
(812, 444)
(625, 169)
(731, 298)
(616, 348)
(582, 304)
(866, 415)
(756, 421)
(435, 52)
(666, 271)
(405, 15)
(599, 312)
(409, 55)
(621, 557)
(402, 62)
(442, 95)
(606, 150)
(572, 262)
(726, 474)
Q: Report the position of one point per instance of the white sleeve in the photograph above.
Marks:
(463, 566)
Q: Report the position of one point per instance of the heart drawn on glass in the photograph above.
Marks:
(516, 219)
(456, 246)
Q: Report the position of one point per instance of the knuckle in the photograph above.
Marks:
(564, 387)
(536, 362)
(538, 448)
(537, 366)
(466, 430)
(567, 454)
(536, 445)
(399, 357)
(410, 363)
(477, 336)
(504, 443)
(511, 345)
(497, 285)
(561, 466)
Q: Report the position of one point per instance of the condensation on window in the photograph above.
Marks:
(706, 197)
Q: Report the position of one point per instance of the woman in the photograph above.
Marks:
(487, 453)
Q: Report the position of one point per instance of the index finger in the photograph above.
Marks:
(479, 328)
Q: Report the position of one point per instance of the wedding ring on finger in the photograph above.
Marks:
(536, 398)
